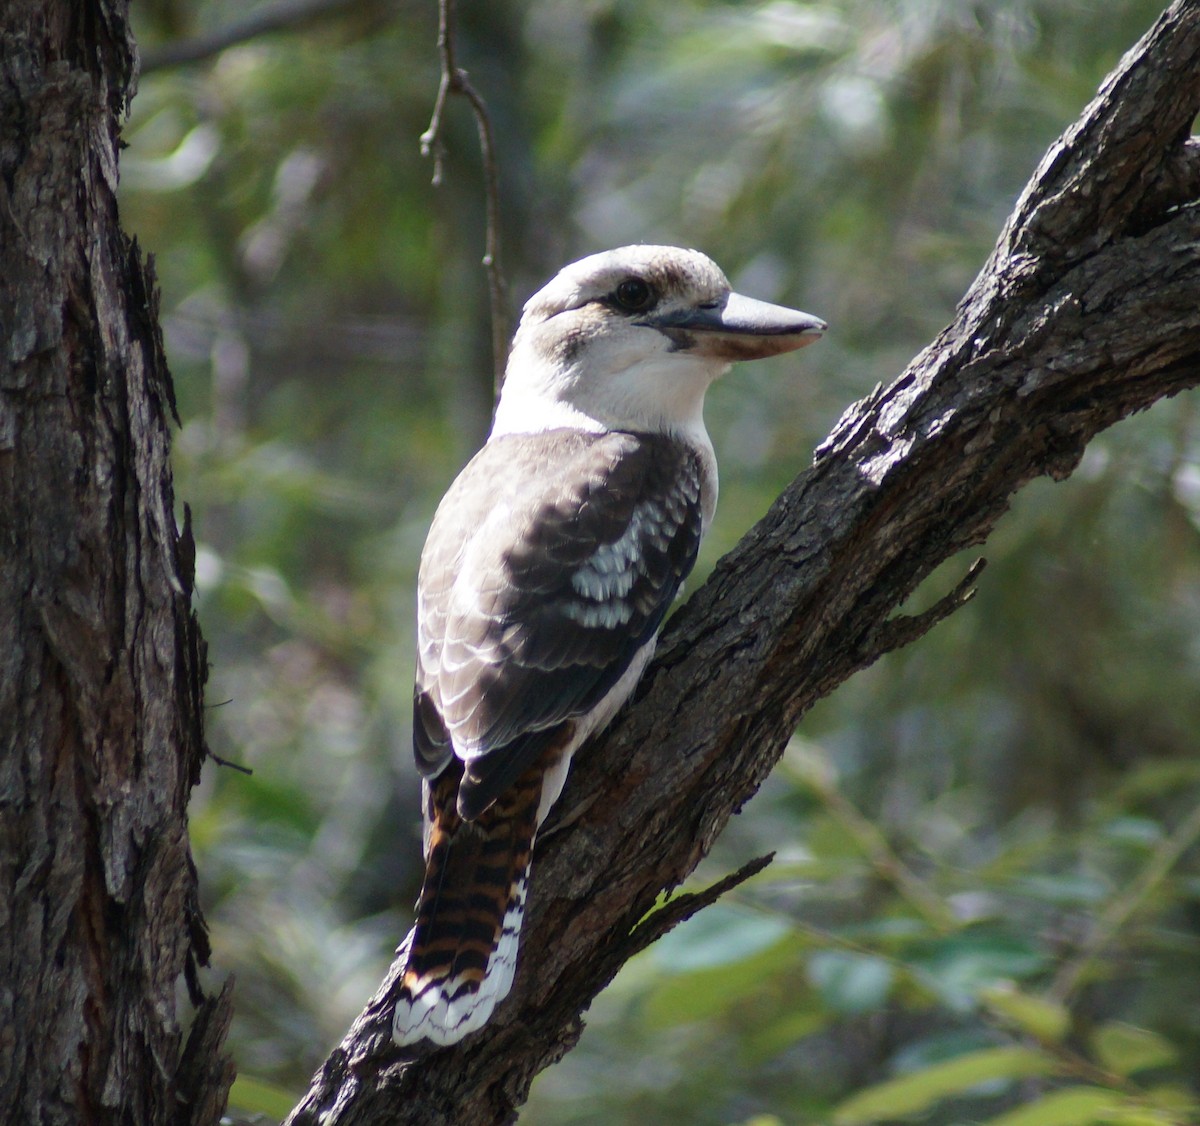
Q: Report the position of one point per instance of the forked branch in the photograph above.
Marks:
(454, 81)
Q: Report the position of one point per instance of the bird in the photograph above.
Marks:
(549, 567)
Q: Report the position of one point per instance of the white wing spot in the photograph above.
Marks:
(605, 615)
(610, 573)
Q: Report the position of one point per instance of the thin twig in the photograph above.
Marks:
(903, 629)
(1122, 909)
(683, 907)
(454, 81)
(239, 767)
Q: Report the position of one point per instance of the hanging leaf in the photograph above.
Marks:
(1046, 1020)
(1076, 1106)
(911, 1094)
(1125, 1049)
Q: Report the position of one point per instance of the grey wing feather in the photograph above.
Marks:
(551, 562)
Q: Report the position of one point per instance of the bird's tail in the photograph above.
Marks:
(463, 949)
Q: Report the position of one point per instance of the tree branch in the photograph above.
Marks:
(454, 81)
(1087, 311)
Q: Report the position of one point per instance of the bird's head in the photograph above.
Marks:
(632, 338)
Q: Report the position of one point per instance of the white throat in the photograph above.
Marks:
(660, 393)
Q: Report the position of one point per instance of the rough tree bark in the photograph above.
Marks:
(101, 661)
(1087, 311)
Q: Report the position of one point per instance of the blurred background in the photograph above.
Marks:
(986, 901)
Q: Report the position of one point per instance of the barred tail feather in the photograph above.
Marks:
(446, 1003)
(463, 949)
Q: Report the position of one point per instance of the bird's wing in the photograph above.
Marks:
(550, 564)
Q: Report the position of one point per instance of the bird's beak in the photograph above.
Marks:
(740, 328)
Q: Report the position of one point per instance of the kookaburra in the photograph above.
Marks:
(548, 570)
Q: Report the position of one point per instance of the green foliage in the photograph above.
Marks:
(986, 902)
(997, 1006)
(255, 1097)
(919, 1090)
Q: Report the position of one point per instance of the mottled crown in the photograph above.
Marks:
(676, 275)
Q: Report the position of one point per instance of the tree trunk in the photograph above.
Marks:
(101, 660)
(1087, 311)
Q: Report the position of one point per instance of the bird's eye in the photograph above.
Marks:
(633, 295)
